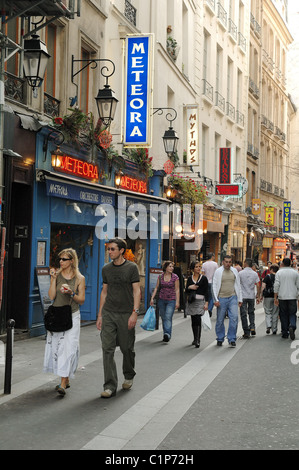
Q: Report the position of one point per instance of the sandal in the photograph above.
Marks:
(60, 390)
(67, 386)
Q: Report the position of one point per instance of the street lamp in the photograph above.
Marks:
(170, 138)
(35, 60)
(106, 102)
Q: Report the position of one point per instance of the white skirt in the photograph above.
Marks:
(63, 350)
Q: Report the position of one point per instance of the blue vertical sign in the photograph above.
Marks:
(138, 91)
(286, 217)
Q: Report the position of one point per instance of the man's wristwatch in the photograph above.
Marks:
(136, 310)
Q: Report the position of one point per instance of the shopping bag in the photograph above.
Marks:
(206, 321)
(149, 320)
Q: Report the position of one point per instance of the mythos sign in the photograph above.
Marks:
(138, 91)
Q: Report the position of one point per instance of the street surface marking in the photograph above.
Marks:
(149, 421)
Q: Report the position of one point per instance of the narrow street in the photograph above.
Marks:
(183, 398)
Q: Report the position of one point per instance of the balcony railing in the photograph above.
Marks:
(220, 101)
(242, 42)
(207, 89)
(230, 111)
(130, 12)
(222, 15)
(51, 105)
(15, 88)
(240, 119)
(211, 4)
(232, 29)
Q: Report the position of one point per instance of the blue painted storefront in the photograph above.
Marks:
(56, 217)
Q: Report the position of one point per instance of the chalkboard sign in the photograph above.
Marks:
(43, 281)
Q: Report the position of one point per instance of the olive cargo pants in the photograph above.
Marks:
(115, 333)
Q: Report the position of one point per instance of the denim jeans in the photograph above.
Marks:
(229, 304)
(166, 310)
(247, 307)
(287, 313)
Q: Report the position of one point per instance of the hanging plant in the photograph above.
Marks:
(141, 157)
(192, 192)
(78, 129)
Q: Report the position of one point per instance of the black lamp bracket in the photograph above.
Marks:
(56, 136)
(170, 116)
(105, 70)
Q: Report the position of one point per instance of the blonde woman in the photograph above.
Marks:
(67, 287)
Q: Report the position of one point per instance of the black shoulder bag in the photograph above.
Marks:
(59, 319)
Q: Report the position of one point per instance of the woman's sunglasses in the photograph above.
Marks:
(64, 259)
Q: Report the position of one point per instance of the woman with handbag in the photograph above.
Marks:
(197, 290)
(169, 297)
(67, 287)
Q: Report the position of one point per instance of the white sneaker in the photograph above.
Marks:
(127, 384)
(108, 393)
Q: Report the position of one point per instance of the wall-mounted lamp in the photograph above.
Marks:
(118, 177)
(36, 58)
(106, 102)
(170, 138)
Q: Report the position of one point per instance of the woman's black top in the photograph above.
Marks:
(202, 289)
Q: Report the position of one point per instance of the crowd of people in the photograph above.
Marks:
(229, 288)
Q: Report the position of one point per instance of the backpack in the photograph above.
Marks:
(269, 289)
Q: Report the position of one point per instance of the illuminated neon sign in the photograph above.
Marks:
(138, 91)
(75, 167)
(133, 184)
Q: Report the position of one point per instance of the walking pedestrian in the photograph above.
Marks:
(228, 296)
(271, 310)
(197, 290)
(209, 267)
(286, 291)
(251, 290)
(67, 287)
(117, 317)
(169, 297)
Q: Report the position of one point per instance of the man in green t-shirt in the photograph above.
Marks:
(117, 317)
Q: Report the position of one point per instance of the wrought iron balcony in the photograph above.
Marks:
(220, 101)
(15, 88)
(207, 90)
(57, 8)
(130, 12)
(51, 105)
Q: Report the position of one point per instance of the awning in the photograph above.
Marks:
(295, 236)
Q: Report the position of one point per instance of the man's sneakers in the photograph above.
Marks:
(127, 384)
(107, 393)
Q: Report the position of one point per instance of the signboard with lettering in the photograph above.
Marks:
(286, 226)
(74, 166)
(138, 91)
(224, 166)
(227, 189)
(78, 193)
(133, 184)
(269, 216)
(192, 135)
(43, 281)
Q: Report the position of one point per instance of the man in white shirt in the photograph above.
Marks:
(249, 279)
(286, 291)
(209, 268)
(228, 296)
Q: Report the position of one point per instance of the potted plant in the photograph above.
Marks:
(172, 47)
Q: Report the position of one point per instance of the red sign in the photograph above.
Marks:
(133, 184)
(75, 167)
(227, 189)
(224, 165)
(168, 167)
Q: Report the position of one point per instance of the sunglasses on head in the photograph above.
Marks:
(64, 259)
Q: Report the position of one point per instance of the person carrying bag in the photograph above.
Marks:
(197, 290)
(67, 289)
